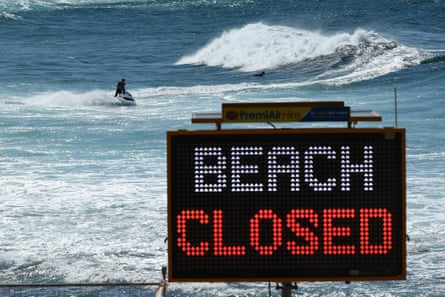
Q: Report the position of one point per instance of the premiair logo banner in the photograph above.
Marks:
(285, 112)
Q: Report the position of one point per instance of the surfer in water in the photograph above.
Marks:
(120, 88)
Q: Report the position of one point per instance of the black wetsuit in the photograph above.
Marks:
(120, 88)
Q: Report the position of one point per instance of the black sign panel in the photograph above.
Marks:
(286, 205)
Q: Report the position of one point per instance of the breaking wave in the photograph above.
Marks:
(344, 57)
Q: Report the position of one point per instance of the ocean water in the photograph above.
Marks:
(83, 180)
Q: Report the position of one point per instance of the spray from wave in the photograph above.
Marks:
(65, 98)
(341, 58)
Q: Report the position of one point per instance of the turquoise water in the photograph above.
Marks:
(83, 180)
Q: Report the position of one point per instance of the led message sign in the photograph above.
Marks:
(286, 205)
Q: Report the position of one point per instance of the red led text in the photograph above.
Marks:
(308, 244)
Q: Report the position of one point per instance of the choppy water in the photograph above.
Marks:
(83, 180)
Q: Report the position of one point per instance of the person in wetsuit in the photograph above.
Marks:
(120, 88)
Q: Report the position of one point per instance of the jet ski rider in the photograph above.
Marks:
(120, 88)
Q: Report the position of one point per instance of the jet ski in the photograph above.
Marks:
(125, 98)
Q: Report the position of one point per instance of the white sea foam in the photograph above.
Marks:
(18, 5)
(69, 98)
(9, 15)
(259, 46)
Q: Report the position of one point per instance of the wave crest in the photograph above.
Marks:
(258, 46)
